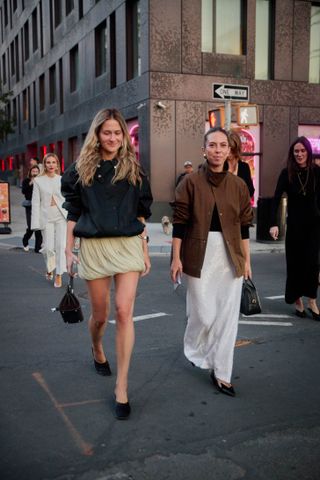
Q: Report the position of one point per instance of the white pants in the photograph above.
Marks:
(213, 305)
(54, 241)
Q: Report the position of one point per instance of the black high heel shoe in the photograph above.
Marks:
(122, 410)
(102, 368)
(221, 387)
(301, 314)
(315, 316)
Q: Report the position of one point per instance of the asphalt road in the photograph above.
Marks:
(56, 416)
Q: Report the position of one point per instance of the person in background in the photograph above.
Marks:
(27, 188)
(49, 216)
(316, 159)
(300, 180)
(188, 168)
(236, 165)
(108, 199)
(210, 245)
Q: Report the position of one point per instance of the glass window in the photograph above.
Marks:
(74, 68)
(34, 30)
(101, 48)
(57, 12)
(12, 59)
(69, 6)
(52, 84)
(223, 26)
(25, 108)
(26, 40)
(113, 63)
(264, 39)
(42, 96)
(133, 27)
(4, 69)
(61, 99)
(314, 62)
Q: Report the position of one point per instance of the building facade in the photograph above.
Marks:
(157, 61)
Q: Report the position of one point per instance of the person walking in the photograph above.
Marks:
(108, 199)
(235, 164)
(300, 180)
(49, 216)
(188, 168)
(210, 245)
(27, 188)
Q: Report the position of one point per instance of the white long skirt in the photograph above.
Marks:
(213, 304)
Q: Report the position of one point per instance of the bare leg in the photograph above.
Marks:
(99, 293)
(313, 305)
(125, 293)
(299, 304)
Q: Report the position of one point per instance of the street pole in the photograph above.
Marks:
(228, 115)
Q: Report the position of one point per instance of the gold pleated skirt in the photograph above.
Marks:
(105, 257)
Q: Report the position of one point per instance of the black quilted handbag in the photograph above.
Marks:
(69, 306)
(250, 302)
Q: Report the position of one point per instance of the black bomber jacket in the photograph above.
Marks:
(105, 209)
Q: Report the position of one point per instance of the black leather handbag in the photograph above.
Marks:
(69, 306)
(250, 302)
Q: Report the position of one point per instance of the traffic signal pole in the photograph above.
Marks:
(227, 124)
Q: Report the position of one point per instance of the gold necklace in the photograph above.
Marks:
(303, 185)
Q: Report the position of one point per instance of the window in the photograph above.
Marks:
(264, 39)
(14, 5)
(25, 109)
(12, 59)
(52, 84)
(80, 9)
(314, 57)
(5, 12)
(69, 6)
(14, 111)
(74, 68)
(34, 104)
(61, 86)
(100, 40)
(26, 40)
(57, 13)
(133, 39)
(4, 69)
(113, 64)
(35, 30)
(42, 97)
(223, 26)
(16, 47)
(72, 149)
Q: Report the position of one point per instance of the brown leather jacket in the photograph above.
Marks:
(195, 199)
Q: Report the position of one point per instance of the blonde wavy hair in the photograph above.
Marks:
(44, 170)
(90, 155)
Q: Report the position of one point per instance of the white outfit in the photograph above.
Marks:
(213, 305)
(51, 220)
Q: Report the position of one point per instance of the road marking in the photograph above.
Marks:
(277, 324)
(85, 448)
(275, 297)
(145, 317)
(267, 315)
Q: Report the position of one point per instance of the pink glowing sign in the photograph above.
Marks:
(315, 144)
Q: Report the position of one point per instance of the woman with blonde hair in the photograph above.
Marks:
(108, 198)
(49, 216)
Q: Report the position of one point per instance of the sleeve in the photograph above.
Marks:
(182, 204)
(71, 190)
(24, 187)
(246, 212)
(35, 210)
(145, 198)
(281, 188)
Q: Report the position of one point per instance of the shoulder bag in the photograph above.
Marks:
(250, 301)
(69, 306)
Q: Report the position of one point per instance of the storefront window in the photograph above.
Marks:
(222, 28)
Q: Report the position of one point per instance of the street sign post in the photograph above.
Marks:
(223, 91)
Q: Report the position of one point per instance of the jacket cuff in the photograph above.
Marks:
(178, 230)
(245, 232)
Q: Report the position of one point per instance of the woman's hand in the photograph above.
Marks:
(274, 232)
(175, 269)
(147, 262)
(71, 260)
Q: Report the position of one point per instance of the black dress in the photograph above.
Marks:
(303, 231)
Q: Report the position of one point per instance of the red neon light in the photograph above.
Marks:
(2, 166)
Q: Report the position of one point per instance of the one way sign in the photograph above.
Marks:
(224, 91)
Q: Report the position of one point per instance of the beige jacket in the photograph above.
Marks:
(44, 188)
(195, 199)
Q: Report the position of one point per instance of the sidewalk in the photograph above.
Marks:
(160, 244)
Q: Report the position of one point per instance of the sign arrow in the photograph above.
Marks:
(230, 92)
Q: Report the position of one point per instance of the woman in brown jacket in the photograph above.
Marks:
(212, 214)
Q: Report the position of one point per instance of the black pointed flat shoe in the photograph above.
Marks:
(122, 410)
(221, 387)
(102, 368)
(301, 314)
(315, 316)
